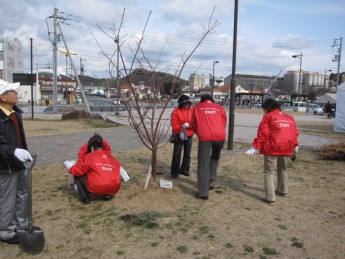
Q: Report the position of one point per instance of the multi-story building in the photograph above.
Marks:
(11, 58)
(251, 82)
(66, 88)
(196, 82)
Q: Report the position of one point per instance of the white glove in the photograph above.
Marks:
(22, 154)
(296, 149)
(185, 125)
(251, 151)
(125, 177)
(68, 164)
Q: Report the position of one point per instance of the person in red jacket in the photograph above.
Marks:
(180, 123)
(209, 124)
(276, 140)
(97, 171)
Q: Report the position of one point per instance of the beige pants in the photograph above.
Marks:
(270, 164)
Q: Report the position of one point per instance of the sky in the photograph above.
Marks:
(269, 32)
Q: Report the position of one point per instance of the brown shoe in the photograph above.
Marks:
(212, 184)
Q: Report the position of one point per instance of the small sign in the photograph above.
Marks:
(165, 184)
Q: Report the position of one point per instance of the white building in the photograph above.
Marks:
(196, 82)
(11, 58)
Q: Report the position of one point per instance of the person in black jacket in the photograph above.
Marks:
(13, 156)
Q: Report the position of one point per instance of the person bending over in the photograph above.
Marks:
(97, 173)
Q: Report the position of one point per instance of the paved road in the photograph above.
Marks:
(58, 148)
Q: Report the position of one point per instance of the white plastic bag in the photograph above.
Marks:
(125, 177)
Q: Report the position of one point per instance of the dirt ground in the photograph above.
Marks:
(172, 223)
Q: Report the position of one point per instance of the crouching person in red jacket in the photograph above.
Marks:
(276, 140)
(97, 173)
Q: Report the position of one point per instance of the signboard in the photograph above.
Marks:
(24, 79)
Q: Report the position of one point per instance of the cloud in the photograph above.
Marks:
(292, 42)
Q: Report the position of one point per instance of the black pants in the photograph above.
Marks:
(176, 159)
(208, 160)
(81, 184)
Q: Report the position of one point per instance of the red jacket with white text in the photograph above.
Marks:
(209, 121)
(277, 134)
(103, 172)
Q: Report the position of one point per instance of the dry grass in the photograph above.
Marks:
(172, 223)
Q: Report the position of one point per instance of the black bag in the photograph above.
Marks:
(173, 138)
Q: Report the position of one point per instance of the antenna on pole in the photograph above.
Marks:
(337, 57)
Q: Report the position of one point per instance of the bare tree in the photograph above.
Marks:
(143, 116)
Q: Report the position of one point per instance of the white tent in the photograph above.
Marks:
(332, 98)
(340, 109)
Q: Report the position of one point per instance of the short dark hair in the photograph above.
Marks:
(270, 105)
(205, 97)
(96, 141)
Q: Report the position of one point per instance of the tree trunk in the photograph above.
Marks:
(154, 163)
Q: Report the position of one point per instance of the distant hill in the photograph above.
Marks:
(137, 76)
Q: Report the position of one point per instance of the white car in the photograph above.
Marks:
(116, 102)
(257, 106)
(315, 109)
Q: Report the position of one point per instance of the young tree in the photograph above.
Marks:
(144, 117)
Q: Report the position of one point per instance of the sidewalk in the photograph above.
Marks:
(63, 147)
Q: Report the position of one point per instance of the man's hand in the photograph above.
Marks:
(68, 164)
(185, 125)
(251, 151)
(23, 155)
(295, 149)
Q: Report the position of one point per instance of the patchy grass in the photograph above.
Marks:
(172, 223)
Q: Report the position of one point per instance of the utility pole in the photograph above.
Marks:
(337, 58)
(82, 70)
(231, 129)
(32, 82)
(117, 74)
(55, 64)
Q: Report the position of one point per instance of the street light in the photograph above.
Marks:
(299, 77)
(214, 63)
(66, 55)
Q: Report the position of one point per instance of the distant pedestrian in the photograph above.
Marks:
(276, 140)
(209, 124)
(180, 123)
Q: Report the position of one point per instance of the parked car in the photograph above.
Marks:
(257, 106)
(315, 109)
(299, 106)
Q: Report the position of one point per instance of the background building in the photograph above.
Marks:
(311, 82)
(251, 82)
(11, 58)
(196, 82)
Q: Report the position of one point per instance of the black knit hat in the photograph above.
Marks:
(183, 99)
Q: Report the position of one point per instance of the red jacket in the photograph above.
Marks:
(209, 121)
(178, 118)
(103, 172)
(277, 134)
